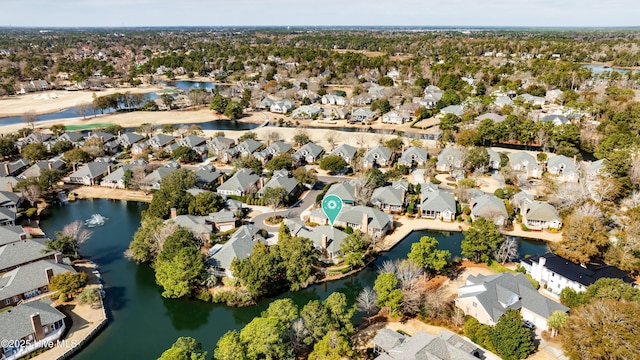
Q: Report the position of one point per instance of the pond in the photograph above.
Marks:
(142, 322)
(598, 69)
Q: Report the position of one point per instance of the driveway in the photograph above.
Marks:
(293, 212)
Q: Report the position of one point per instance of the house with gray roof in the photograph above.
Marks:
(33, 325)
(433, 91)
(396, 117)
(29, 280)
(345, 151)
(491, 208)
(345, 191)
(192, 141)
(593, 169)
(533, 100)
(223, 220)
(197, 225)
(12, 233)
(265, 103)
(362, 115)
(450, 158)
(239, 246)
(104, 136)
(457, 110)
(389, 199)
(368, 220)
(524, 162)
(72, 137)
(23, 252)
(10, 200)
(487, 298)
(563, 168)
(207, 176)
(326, 239)
(496, 118)
(116, 179)
(308, 153)
(13, 168)
(282, 178)
(159, 141)
(437, 204)
(282, 106)
(153, 180)
(277, 148)
(35, 169)
(391, 345)
(247, 147)
(501, 101)
(494, 160)
(556, 119)
(378, 156)
(8, 183)
(90, 173)
(539, 215)
(414, 156)
(127, 139)
(244, 181)
(306, 112)
(218, 147)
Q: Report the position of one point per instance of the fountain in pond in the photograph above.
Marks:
(95, 220)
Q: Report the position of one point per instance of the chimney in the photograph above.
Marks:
(174, 213)
(36, 324)
(109, 170)
(221, 179)
(6, 169)
(9, 186)
(325, 242)
(50, 165)
(49, 273)
(365, 223)
(261, 182)
(58, 257)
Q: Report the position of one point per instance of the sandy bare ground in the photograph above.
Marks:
(51, 101)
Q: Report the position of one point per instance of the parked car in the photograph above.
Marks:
(529, 325)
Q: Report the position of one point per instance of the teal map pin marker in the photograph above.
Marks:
(332, 205)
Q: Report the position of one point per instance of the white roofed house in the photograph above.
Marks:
(437, 204)
(457, 110)
(330, 99)
(414, 156)
(345, 151)
(378, 156)
(266, 103)
(450, 159)
(396, 117)
(243, 182)
(539, 215)
(563, 168)
(494, 160)
(308, 153)
(282, 106)
(533, 100)
(306, 112)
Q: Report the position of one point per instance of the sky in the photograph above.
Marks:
(133, 13)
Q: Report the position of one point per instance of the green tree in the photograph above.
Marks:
(284, 310)
(583, 238)
(58, 129)
(172, 194)
(353, 250)
(68, 283)
(425, 253)
(179, 274)
(206, 203)
(389, 295)
(61, 147)
(185, 154)
(169, 128)
(77, 156)
(264, 338)
(233, 110)
(381, 105)
(248, 135)
(248, 162)
(510, 338)
(274, 197)
(34, 152)
(230, 347)
(301, 138)
(395, 144)
(299, 257)
(89, 296)
(305, 176)
(481, 240)
(332, 163)
(279, 162)
(477, 158)
(450, 122)
(261, 273)
(556, 321)
(185, 348)
(7, 147)
(218, 103)
(333, 346)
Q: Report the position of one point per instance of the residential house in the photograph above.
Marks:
(376, 91)
(223, 220)
(457, 110)
(345, 191)
(244, 181)
(127, 139)
(450, 158)
(345, 151)
(563, 168)
(378, 156)
(491, 208)
(337, 113)
(116, 179)
(488, 297)
(153, 180)
(282, 106)
(160, 141)
(363, 115)
(277, 148)
(197, 225)
(494, 160)
(91, 173)
(361, 100)
(218, 147)
(539, 215)
(389, 198)
(282, 178)
(330, 99)
(104, 136)
(266, 103)
(391, 345)
(524, 162)
(12, 233)
(73, 137)
(434, 91)
(501, 101)
(207, 176)
(247, 147)
(309, 153)
(594, 169)
(553, 95)
(29, 280)
(239, 246)
(396, 117)
(496, 118)
(414, 156)
(8, 183)
(533, 100)
(31, 326)
(19, 253)
(437, 204)
(368, 220)
(192, 141)
(35, 138)
(428, 101)
(36, 169)
(326, 239)
(557, 120)
(555, 273)
(306, 112)
(13, 168)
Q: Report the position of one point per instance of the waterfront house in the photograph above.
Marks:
(396, 117)
(116, 180)
(19, 253)
(331, 99)
(32, 325)
(487, 298)
(362, 115)
(489, 207)
(29, 280)
(90, 173)
(563, 168)
(266, 103)
(555, 273)
(73, 137)
(239, 246)
(153, 180)
(326, 239)
(12, 233)
(345, 151)
(159, 141)
(389, 198)
(414, 156)
(306, 112)
(378, 156)
(437, 204)
(337, 113)
(524, 162)
(368, 220)
(282, 106)
(244, 181)
(192, 141)
(539, 215)
(36, 169)
(391, 345)
(308, 154)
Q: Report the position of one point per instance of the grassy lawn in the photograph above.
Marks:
(86, 127)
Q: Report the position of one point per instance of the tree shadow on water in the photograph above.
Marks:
(187, 314)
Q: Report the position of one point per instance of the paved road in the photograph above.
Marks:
(290, 213)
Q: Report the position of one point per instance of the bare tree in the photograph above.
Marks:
(364, 186)
(298, 333)
(366, 301)
(93, 147)
(138, 174)
(568, 195)
(412, 301)
(507, 251)
(332, 138)
(408, 274)
(30, 117)
(633, 200)
(83, 110)
(32, 194)
(161, 236)
(76, 232)
(589, 209)
(388, 266)
(146, 129)
(435, 304)
(272, 137)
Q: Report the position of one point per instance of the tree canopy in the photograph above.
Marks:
(481, 240)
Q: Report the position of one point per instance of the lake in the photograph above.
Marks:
(597, 69)
(142, 322)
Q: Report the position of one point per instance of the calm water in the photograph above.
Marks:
(599, 69)
(142, 322)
